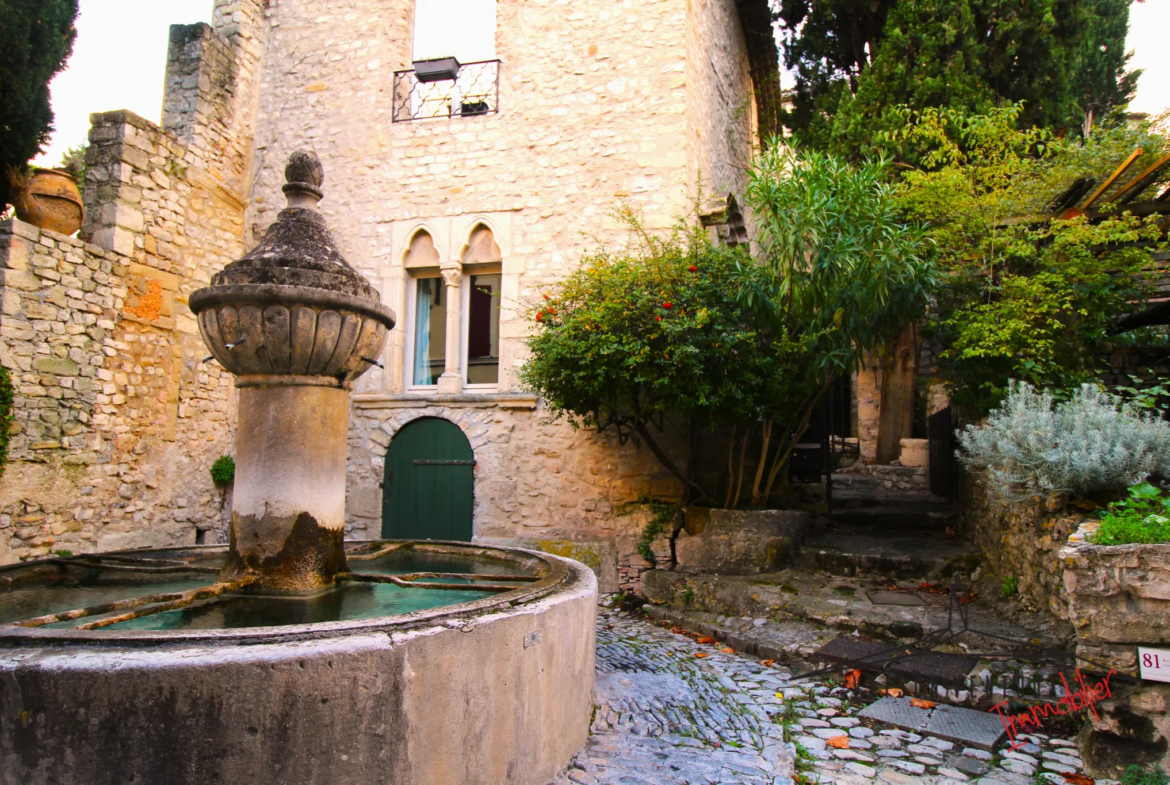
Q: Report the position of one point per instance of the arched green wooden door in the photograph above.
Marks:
(427, 489)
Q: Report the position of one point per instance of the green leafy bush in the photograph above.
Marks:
(655, 329)
(1034, 447)
(1136, 775)
(663, 521)
(223, 471)
(1010, 587)
(1142, 518)
(1028, 295)
(6, 395)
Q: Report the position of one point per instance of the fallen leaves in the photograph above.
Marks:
(728, 650)
(838, 742)
(1078, 779)
(920, 703)
(852, 679)
(767, 663)
(706, 639)
(893, 692)
(702, 655)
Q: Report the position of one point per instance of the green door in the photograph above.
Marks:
(427, 490)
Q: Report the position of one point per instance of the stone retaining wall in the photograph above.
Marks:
(117, 418)
(1022, 541)
(1119, 599)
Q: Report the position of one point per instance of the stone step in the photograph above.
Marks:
(916, 550)
(790, 642)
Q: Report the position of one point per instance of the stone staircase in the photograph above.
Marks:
(871, 580)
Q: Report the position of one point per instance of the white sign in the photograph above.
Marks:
(1155, 663)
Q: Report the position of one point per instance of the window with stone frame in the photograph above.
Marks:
(439, 298)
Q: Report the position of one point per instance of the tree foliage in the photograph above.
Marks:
(679, 326)
(857, 60)
(36, 38)
(844, 273)
(655, 329)
(1028, 295)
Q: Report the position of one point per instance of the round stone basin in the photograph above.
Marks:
(68, 583)
(367, 682)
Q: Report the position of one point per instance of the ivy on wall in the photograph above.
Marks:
(6, 394)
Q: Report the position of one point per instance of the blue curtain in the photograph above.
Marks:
(422, 330)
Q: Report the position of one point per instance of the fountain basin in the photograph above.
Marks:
(495, 690)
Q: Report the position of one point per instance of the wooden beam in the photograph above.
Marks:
(1113, 177)
(1146, 176)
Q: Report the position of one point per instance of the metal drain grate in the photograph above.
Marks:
(979, 729)
(908, 663)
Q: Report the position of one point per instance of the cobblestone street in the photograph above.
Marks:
(667, 716)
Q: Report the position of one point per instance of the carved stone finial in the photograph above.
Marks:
(303, 176)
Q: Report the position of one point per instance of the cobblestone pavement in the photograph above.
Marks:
(667, 717)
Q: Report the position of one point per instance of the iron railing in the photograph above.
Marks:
(473, 93)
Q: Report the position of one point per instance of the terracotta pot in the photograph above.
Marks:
(51, 201)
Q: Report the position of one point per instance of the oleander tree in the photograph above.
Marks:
(843, 271)
(36, 40)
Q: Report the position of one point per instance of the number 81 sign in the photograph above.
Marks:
(1155, 664)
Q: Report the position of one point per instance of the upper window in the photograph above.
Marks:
(476, 313)
(463, 29)
(430, 331)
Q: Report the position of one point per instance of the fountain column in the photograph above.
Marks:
(296, 325)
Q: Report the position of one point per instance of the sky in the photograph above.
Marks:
(120, 58)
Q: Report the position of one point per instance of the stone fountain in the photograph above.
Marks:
(292, 656)
(296, 325)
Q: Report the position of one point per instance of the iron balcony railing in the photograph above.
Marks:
(474, 92)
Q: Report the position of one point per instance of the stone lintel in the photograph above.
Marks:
(375, 401)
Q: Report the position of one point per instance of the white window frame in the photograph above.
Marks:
(411, 327)
(465, 322)
(464, 325)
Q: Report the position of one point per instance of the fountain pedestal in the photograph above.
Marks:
(296, 325)
(288, 516)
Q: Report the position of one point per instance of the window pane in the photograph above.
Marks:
(463, 29)
(483, 330)
(430, 330)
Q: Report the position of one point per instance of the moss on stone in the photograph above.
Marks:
(583, 552)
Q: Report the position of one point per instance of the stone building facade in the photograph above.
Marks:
(590, 106)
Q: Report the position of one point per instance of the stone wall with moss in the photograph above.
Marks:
(117, 417)
(1022, 544)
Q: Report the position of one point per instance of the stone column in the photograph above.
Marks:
(288, 512)
(451, 382)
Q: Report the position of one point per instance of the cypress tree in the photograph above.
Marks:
(855, 60)
(36, 38)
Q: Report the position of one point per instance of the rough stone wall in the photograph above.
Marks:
(597, 108)
(719, 99)
(1119, 599)
(1022, 541)
(117, 418)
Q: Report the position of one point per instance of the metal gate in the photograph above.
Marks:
(944, 469)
